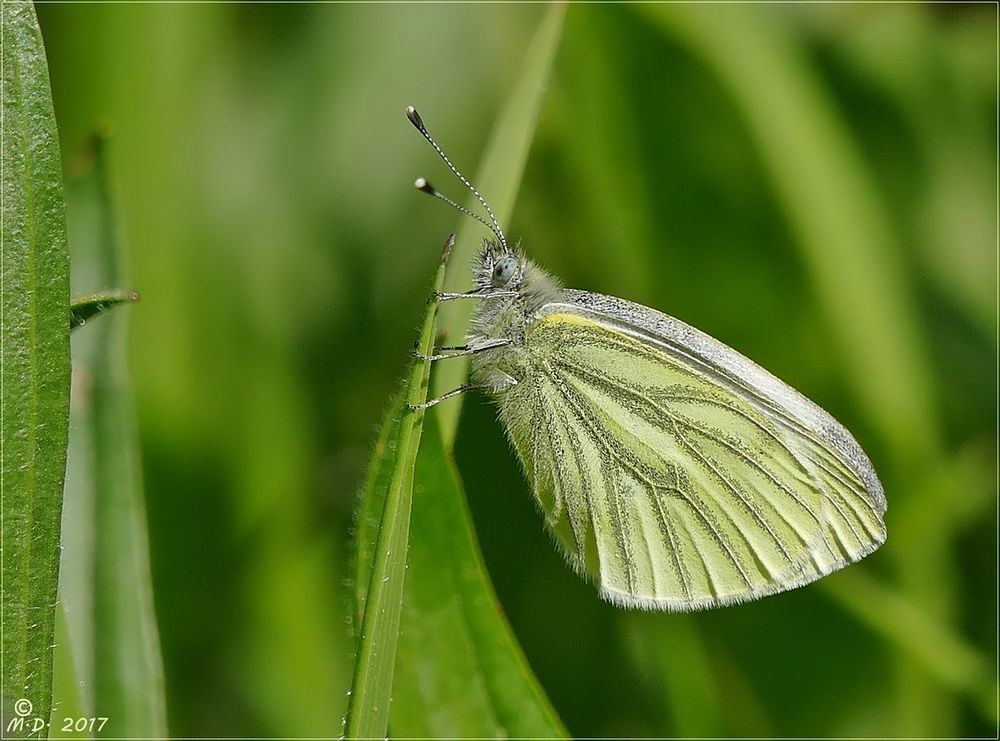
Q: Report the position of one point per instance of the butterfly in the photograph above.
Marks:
(671, 470)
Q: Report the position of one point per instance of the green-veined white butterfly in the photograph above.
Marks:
(675, 472)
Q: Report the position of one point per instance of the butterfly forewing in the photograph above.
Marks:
(678, 473)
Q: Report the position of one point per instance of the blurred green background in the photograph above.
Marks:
(813, 185)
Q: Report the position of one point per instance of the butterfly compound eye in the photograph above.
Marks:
(504, 271)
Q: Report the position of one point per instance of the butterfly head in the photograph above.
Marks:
(504, 270)
(498, 267)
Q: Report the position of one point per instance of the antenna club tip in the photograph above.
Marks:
(411, 113)
(422, 185)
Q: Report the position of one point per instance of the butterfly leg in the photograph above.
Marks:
(495, 383)
(475, 293)
(458, 351)
(454, 392)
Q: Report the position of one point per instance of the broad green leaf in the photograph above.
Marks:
(87, 307)
(390, 481)
(105, 579)
(35, 361)
(459, 669)
(498, 178)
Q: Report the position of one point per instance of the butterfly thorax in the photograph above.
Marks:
(500, 272)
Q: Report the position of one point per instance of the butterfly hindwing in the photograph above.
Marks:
(676, 472)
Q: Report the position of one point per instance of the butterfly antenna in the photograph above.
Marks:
(423, 185)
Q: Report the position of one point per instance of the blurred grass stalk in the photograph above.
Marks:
(105, 582)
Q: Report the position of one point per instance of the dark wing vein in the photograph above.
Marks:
(689, 497)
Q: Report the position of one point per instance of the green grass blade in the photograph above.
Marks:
(105, 581)
(35, 361)
(371, 504)
(67, 702)
(87, 307)
(380, 606)
(459, 670)
(498, 178)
